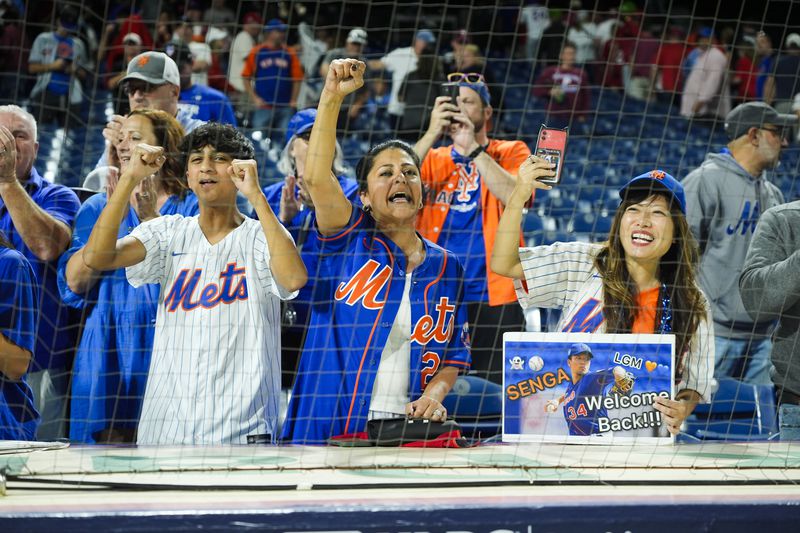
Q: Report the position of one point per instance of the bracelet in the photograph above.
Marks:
(476, 152)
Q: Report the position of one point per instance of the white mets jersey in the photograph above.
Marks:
(563, 276)
(215, 371)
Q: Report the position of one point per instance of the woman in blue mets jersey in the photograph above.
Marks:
(388, 333)
(641, 280)
(113, 356)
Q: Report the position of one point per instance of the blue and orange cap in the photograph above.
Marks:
(657, 181)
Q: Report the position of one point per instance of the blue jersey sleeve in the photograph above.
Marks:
(60, 203)
(18, 299)
(331, 245)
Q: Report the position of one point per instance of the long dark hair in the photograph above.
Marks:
(676, 271)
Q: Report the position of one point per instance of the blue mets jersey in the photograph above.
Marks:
(359, 289)
(581, 418)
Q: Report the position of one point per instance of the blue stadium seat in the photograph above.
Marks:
(737, 412)
(477, 405)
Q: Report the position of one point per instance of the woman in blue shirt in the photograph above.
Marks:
(113, 357)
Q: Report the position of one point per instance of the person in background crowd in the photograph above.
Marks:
(293, 204)
(37, 217)
(19, 311)
(219, 41)
(468, 183)
(784, 83)
(388, 331)
(164, 30)
(665, 73)
(770, 289)
(418, 95)
(706, 94)
(353, 48)
(581, 34)
(201, 52)
(765, 64)
(312, 46)
(565, 87)
(641, 280)
(743, 77)
(219, 15)
(244, 41)
(399, 63)
(536, 18)
(272, 76)
(725, 197)
(15, 46)
(203, 102)
(113, 357)
(450, 58)
(133, 47)
(59, 61)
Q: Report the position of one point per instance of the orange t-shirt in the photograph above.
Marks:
(647, 302)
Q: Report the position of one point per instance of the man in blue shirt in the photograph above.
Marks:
(201, 101)
(37, 218)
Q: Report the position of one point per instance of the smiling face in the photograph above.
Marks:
(646, 229)
(394, 188)
(136, 129)
(207, 173)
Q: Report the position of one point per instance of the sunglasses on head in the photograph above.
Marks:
(131, 87)
(468, 77)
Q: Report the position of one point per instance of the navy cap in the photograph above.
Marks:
(275, 25)
(300, 123)
(754, 115)
(480, 88)
(579, 348)
(657, 181)
(705, 32)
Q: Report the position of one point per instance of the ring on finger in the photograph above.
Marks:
(437, 412)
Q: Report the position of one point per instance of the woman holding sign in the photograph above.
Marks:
(641, 280)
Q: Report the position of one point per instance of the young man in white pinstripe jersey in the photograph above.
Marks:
(215, 372)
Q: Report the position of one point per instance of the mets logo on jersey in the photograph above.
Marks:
(182, 294)
(365, 286)
(468, 181)
(440, 329)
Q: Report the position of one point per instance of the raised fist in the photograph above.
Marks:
(345, 76)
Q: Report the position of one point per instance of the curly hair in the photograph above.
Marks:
(222, 137)
(676, 271)
(169, 133)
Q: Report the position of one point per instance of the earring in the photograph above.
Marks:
(367, 209)
(421, 205)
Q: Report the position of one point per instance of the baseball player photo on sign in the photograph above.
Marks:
(582, 388)
(215, 370)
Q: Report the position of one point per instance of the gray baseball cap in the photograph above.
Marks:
(153, 67)
(754, 115)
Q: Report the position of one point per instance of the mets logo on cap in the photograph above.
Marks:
(657, 174)
(143, 60)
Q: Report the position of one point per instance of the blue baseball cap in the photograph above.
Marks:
(657, 181)
(579, 348)
(300, 123)
(480, 88)
(426, 35)
(275, 25)
(705, 32)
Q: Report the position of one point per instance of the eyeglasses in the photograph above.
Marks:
(468, 77)
(778, 132)
(131, 87)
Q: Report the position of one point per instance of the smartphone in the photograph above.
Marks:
(551, 146)
(451, 89)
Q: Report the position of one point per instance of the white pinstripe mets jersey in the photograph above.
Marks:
(563, 276)
(215, 372)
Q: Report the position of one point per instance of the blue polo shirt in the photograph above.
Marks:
(18, 313)
(208, 105)
(56, 327)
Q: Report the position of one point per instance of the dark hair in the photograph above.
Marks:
(222, 137)
(676, 270)
(169, 136)
(366, 163)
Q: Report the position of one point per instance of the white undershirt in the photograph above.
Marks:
(390, 393)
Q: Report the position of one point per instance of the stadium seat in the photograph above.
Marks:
(737, 412)
(477, 405)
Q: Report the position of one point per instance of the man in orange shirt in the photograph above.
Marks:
(272, 76)
(467, 184)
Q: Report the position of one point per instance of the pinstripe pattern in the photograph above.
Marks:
(215, 371)
(562, 276)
